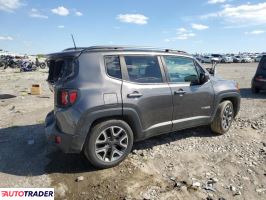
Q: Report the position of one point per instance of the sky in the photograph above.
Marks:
(195, 26)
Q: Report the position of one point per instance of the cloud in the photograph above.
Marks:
(245, 14)
(199, 27)
(6, 38)
(255, 32)
(61, 10)
(60, 26)
(185, 36)
(181, 34)
(133, 18)
(35, 13)
(167, 40)
(77, 13)
(216, 1)
(10, 5)
(181, 30)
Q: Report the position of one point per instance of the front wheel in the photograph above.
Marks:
(223, 118)
(42, 65)
(108, 143)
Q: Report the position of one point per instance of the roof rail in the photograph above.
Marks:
(124, 48)
(121, 48)
(175, 51)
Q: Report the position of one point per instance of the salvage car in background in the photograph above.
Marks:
(227, 59)
(259, 80)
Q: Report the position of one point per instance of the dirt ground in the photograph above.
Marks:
(189, 164)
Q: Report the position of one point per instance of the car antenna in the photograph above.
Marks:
(73, 41)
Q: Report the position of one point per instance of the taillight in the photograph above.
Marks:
(64, 98)
(260, 78)
(73, 96)
(67, 97)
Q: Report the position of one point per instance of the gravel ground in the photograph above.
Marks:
(189, 164)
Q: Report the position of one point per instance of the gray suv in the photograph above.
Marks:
(108, 97)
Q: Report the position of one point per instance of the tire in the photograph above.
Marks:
(255, 90)
(220, 125)
(101, 138)
(42, 65)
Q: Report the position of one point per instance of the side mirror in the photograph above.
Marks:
(203, 78)
(211, 71)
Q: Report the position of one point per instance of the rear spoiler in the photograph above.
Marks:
(63, 54)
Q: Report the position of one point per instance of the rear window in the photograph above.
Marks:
(143, 69)
(112, 64)
(61, 69)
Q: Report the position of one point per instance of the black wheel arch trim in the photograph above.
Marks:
(232, 95)
(90, 117)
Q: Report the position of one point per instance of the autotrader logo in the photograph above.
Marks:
(27, 193)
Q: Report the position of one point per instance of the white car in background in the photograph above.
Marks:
(247, 59)
(206, 59)
(238, 59)
(227, 59)
(209, 59)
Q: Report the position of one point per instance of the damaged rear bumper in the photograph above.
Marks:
(64, 141)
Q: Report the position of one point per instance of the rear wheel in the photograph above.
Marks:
(223, 118)
(108, 143)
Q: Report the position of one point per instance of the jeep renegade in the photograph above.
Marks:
(108, 97)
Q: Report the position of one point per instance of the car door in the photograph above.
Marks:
(192, 101)
(146, 93)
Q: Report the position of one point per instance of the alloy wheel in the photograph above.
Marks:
(227, 116)
(111, 144)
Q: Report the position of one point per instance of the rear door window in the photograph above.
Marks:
(143, 69)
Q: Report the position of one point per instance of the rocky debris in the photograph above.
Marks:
(80, 178)
(234, 190)
(151, 193)
(196, 185)
(261, 190)
(237, 193)
(83, 193)
(256, 124)
(60, 190)
(208, 187)
(12, 108)
(213, 180)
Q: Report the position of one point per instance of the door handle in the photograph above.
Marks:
(179, 92)
(134, 95)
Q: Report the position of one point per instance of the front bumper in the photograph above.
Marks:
(52, 131)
